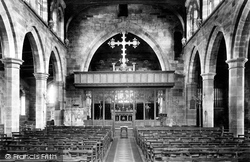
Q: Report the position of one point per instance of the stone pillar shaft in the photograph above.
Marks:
(60, 103)
(191, 90)
(236, 95)
(208, 99)
(41, 94)
(12, 106)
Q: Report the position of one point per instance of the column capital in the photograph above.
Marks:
(236, 62)
(208, 76)
(12, 62)
(41, 76)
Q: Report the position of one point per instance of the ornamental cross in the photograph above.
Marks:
(112, 44)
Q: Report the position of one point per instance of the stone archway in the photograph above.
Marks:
(10, 86)
(125, 49)
(33, 72)
(55, 81)
(240, 53)
(165, 65)
(194, 89)
(210, 70)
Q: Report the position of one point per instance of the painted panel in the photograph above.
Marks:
(103, 78)
(117, 78)
(90, 78)
(131, 78)
(97, 78)
(110, 78)
(144, 78)
(151, 78)
(124, 78)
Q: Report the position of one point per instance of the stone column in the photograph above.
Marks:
(236, 95)
(41, 97)
(191, 90)
(11, 112)
(59, 103)
(208, 99)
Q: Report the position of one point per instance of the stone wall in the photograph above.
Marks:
(93, 27)
(19, 21)
(45, 40)
(224, 20)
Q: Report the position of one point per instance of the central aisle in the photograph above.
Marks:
(124, 150)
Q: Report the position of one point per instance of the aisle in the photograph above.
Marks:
(123, 150)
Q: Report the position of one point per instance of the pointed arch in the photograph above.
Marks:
(37, 49)
(240, 44)
(212, 49)
(6, 33)
(134, 29)
(58, 64)
(192, 64)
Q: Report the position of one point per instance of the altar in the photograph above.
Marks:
(123, 115)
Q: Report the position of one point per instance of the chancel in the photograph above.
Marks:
(124, 80)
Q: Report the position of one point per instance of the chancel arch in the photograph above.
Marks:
(164, 63)
(140, 55)
(133, 105)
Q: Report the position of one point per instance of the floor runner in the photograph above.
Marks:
(124, 150)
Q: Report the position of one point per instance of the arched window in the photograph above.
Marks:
(189, 22)
(210, 7)
(193, 17)
(54, 18)
(40, 8)
(57, 19)
(60, 27)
